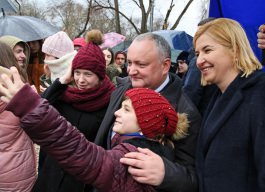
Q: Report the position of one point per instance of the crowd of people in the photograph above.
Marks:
(122, 121)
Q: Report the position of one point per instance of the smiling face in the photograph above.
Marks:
(215, 62)
(85, 79)
(20, 55)
(126, 120)
(145, 68)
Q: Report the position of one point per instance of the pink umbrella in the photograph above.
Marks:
(112, 39)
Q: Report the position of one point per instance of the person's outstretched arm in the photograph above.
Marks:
(74, 153)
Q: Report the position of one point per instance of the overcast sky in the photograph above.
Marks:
(189, 21)
(187, 24)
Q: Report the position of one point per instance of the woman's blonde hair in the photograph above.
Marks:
(230, 34)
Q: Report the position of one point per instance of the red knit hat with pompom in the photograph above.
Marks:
(155, 115)
(91, 57)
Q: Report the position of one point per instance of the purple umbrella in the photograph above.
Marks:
(112, 39)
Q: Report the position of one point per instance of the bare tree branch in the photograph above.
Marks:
(121, 13)
(59, 13)
(149, 8)
(165, 24)
(144, 16)
(87, 19)
(181, 15)
(137, 4)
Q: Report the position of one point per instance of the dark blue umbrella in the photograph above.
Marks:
(26, 28)
(179, 40)
(123, 46)
(174, 55)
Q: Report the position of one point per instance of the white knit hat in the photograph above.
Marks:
(58, 45)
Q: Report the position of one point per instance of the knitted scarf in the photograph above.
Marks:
(89, 100)
(59, 67)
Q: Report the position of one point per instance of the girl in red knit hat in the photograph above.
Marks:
(147, 114)
(144, 113)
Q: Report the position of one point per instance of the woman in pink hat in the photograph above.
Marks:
(59, 54)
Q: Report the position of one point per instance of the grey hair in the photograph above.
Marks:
(162, 45)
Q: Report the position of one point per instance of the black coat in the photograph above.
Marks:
(231, 145)
(52, 178)
(178, 177)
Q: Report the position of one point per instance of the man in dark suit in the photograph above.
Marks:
(148, 66)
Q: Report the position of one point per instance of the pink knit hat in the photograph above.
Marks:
(58, 45)
(155, 115)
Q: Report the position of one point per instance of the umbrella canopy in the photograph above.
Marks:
(179, 40)
(111, 39)
(123, 46)
(174, 55)
(26, 28)
(8, 6)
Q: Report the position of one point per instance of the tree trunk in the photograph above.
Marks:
(87, 19)
(117, 17)
(165, 24)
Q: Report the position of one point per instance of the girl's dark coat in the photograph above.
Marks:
(83, 159)
(52, 178)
